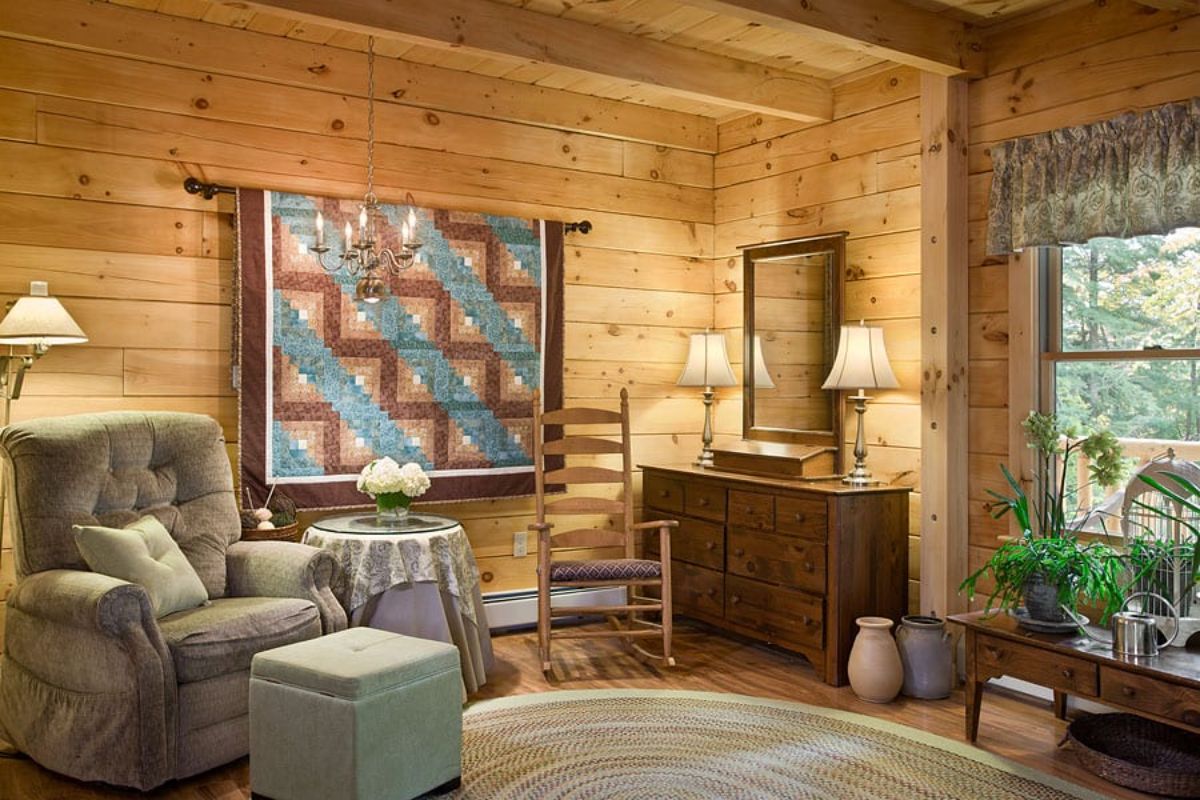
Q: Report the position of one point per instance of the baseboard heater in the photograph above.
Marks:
(518, 609)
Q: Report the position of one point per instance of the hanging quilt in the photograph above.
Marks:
(442, 372)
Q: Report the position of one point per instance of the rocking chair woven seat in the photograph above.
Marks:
(608, 569)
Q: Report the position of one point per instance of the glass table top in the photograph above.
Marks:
(367, 523)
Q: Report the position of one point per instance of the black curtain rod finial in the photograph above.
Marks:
(208, 191)
(584, 227)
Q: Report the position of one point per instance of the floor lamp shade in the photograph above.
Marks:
(861, 361)
(707, 362)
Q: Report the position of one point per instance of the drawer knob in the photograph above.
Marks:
(734, 599)
(1068, 673)
(750, 566)
(739, 552)
(710, 545)
(1128, 691)
(800, 516)
(1192, 717)
(808, 566)
(664, 493)
(749, 510)
(703, 501)
(711, 593)
(806, 620)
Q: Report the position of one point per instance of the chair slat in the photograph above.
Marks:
(585, 505)
(574, 445)
(585, 475)
(588, 537)
(581, 416)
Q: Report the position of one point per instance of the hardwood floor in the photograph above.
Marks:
(1011, 726)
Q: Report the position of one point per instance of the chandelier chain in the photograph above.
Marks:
(370, 118)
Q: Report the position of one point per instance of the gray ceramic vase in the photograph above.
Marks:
(1041, 599)
(926, 653)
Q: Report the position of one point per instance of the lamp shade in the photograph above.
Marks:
(862, 361)
(762, 375)
(39, 320)
(707, 362)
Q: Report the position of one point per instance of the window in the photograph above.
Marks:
(1121, 348)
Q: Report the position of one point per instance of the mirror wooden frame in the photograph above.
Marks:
(834, 244)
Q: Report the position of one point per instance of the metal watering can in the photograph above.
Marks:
(1134, 633)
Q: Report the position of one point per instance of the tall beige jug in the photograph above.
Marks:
(875, 671)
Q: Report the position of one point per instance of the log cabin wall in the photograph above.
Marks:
(1085, 65)
(859, 173)
(104, 110)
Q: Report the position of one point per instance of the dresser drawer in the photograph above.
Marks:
(705, 501)
(801, 516)
(696, 541)
(663, 493)
(1168, 700)
(777, 559)
(781, 615)
(752, 510)
(996, 657)
(697, 590)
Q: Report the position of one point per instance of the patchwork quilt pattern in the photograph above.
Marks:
(442, 372)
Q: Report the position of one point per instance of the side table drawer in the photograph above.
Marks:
(664, 493)
(1165, 699)
(697, 589)
(705, 501)
(752, 510)
(995, 657)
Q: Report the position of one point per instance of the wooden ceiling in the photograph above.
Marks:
(716, 28)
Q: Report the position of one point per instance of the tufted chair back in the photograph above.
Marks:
(112, 468)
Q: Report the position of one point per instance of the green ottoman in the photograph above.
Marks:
(356, 715)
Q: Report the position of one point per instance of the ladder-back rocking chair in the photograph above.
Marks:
(631, 572)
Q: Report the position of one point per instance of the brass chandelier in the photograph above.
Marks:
(364, 256)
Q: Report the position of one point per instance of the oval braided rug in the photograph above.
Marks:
(652, 744)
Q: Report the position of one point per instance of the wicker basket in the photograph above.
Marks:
(1138, 753)
(284, 533)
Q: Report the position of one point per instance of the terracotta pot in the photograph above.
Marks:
(924, 645)
(875, 671)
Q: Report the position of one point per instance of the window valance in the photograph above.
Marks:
(1127, 176)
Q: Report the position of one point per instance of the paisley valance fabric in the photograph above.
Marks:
(443, 371)
(1127, 176)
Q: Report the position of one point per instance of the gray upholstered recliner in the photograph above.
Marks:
(91, 684)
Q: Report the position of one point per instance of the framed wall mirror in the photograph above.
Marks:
(793, 308)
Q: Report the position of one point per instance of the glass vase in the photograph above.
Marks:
(391, 508)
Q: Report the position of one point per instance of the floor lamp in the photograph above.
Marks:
(708, 366)
(37, 322)
(861, 363)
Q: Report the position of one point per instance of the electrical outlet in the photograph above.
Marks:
(520, 544)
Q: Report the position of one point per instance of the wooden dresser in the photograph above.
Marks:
(787, 562)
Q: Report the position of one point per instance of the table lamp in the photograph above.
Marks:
(762, 375)
(861, 364)
(37, 321)
(708, 366)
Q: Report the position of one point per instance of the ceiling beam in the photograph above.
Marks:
(495, 29)
(888, 29)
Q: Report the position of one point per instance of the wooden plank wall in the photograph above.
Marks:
(1089, 64)
(859, 173)
(94, 146)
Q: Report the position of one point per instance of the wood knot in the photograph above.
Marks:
(318, 69)
(432, 118)
(200, 103)
(337, 124)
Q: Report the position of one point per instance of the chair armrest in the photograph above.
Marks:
(287, 569)
(539, 526)
(84, 600)
(658, 523)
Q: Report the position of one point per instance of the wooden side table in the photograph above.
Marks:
(1165, 687)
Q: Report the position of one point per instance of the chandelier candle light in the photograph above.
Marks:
(708, 366)
(861, 364)
(364, 257)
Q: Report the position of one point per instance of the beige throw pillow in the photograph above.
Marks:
(144, 553)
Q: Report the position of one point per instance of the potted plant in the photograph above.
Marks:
(1051, 565)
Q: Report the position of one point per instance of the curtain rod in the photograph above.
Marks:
(208, 191)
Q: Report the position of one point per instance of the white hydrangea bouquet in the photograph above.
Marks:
(392, 486)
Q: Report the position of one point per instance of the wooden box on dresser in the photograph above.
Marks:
(788, 562)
